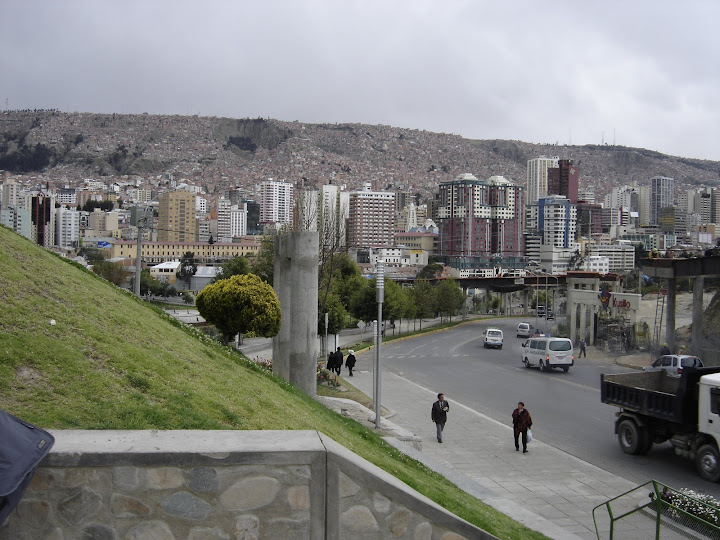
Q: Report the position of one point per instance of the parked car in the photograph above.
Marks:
(524, 329)
(493, 338)
(673, 364)
(548, 352)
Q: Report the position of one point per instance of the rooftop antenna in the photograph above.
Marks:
(613, 136)
(570, 138)
(602, 142)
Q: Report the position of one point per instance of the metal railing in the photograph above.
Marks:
(654, 510)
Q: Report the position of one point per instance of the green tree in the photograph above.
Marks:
(112, 272)
(188, 267)
(450, 297)
(148, 284)
(263, 264)
(431, 271)
(423, 298)
(237, 266)
(239, 305)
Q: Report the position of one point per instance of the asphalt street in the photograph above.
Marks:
(566, 408)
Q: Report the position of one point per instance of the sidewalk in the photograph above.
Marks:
(546, 489)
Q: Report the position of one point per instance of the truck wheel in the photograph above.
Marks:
(647, 440)
(707, 462)
(629, 437)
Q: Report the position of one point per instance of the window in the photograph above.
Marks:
(560, 346)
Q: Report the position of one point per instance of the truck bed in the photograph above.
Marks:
(656, 394)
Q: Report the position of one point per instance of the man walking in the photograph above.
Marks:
(338, 361)
(521, 423)
(439, 415)
(582, 348)
(350, 361)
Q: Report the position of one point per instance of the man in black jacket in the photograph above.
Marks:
(338, 360)
(439, 415)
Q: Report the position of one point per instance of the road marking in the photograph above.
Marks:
(571, 383)
(452, 350)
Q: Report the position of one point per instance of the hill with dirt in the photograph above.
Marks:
(224, 152)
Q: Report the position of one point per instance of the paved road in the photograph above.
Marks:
(566, 407)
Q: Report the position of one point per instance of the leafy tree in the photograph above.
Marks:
(188, 267)
(450, 297)
(263, 264)
(576, 261)
(211, 240)
(237, 266)
(105, 206)
(112, 272)
(148, 284)
(188, 298)
(239, 305)
(431, 271)
(423, 296)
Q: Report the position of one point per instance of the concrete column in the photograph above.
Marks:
(295, 282)
(591, 341)
(697, 314)
(670, 313)
(571, 316)
(583, 321)
(526, 301)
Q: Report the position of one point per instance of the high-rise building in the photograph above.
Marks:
(176, 217)
(589, 219)
(276, 203)
(715, 206)
(10, 194)
(537, 177)
(563, 180)
(238, 220)
(67, 227)
(480, 222)
(644, 205)
(586, 194)
(703, 205)
(42, 218)
(555, 219)
(662, 195)
(370, 218)
(223, 220)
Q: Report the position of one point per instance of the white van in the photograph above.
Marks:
(493, 338)
(548, 352)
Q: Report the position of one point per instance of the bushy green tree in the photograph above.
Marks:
(237, 266)
(263, 263)
(423, 297)
(239, 305)
(431, 271)
(450, 297)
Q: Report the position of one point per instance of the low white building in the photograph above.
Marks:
(597, 264)
(165, 271)
(621, 256)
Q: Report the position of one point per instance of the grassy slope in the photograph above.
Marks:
(112, 362)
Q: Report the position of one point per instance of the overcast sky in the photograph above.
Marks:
(640, 73)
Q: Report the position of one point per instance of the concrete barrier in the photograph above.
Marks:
(220, 485)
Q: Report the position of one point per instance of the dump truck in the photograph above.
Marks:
(656, 407)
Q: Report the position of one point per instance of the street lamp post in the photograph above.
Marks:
(380, 289)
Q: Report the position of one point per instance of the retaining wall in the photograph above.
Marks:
(213, 485)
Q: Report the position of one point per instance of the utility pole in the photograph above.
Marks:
(380, 288)
(138, 257)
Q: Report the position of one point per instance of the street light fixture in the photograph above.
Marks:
(380, 289)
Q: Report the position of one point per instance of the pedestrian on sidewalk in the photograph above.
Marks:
(521, 423)
(338, 361)
(439, 415)
(582, 348)
(350, 361)
(331, 362)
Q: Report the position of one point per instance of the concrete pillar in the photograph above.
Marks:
(583, 321)
(295, 282)
(670, 313)
(571, 316)
(697, 314)
(593, 310)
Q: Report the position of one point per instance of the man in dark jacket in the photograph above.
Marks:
(350, 361)
(521, 423)
(439, 415)
(338, 360)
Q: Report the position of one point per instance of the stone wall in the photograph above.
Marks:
(213, 485)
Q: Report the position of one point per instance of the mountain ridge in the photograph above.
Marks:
(226, 152)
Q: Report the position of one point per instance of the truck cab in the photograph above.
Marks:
(709, 424)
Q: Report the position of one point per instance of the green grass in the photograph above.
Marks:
(114, 362)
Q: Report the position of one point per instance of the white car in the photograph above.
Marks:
(524, 329)
(493, 338)
(548, 352)
(673, 364)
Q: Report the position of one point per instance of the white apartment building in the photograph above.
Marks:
(555, 219)
(621, 256)
(238, 220)
(586, 194)
(224, 233)
(102, 223)
(537, 177)
(644, 205)
(200, 205)
(371, 218)
(276, 203)
(598, 264)
(67, 227)
(66, 195)
(10, 194)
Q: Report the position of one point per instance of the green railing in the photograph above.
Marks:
(654, 510)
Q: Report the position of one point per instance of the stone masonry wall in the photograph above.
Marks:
(217, 485)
